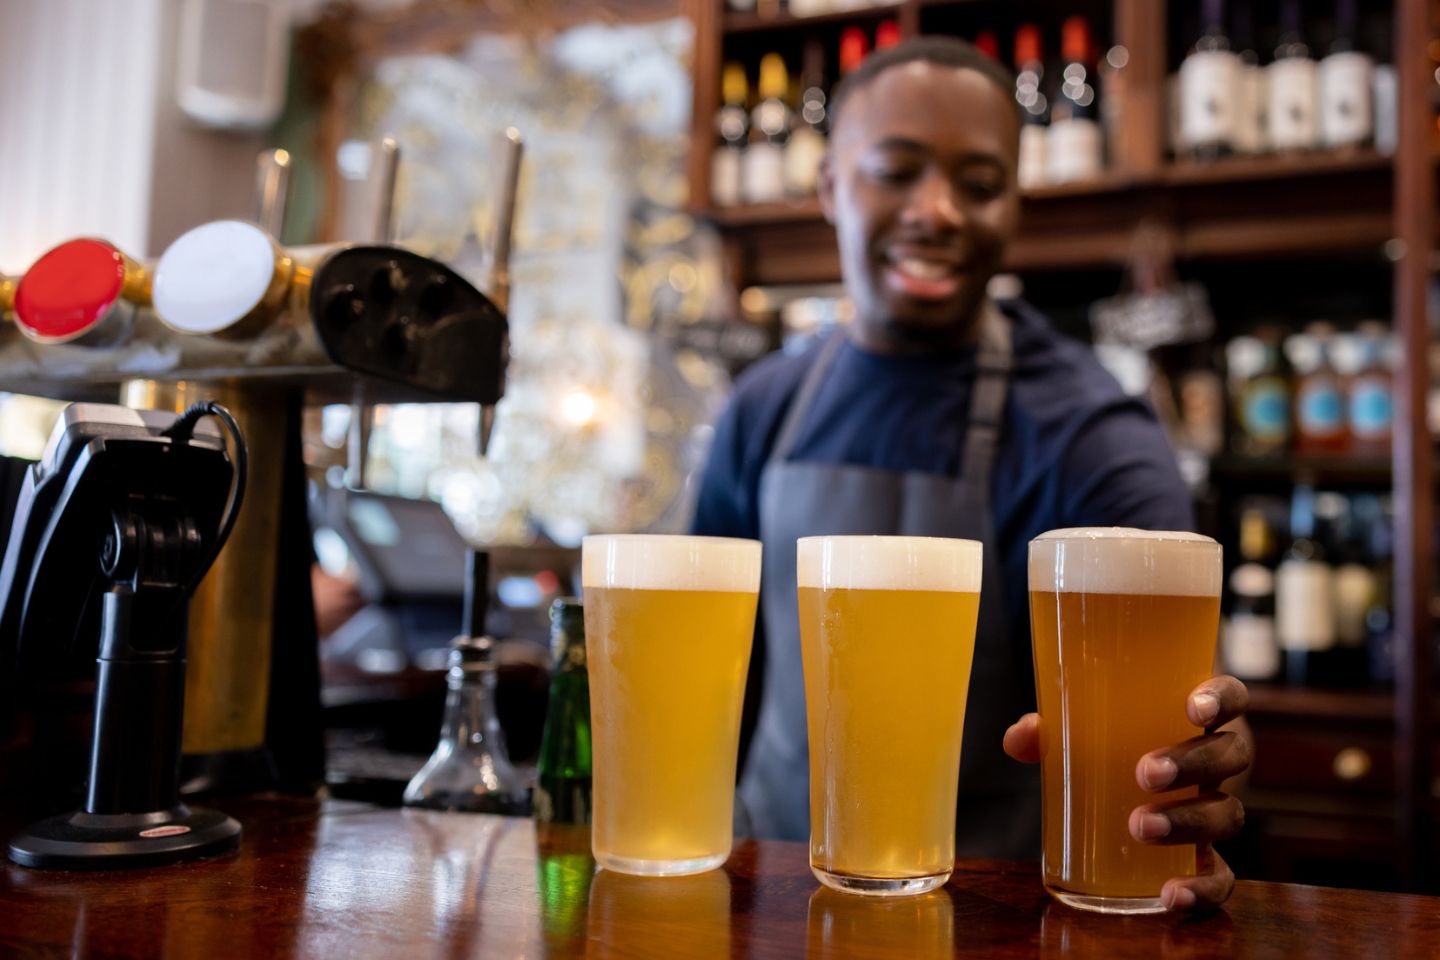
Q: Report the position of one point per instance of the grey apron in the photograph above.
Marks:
(998, 812)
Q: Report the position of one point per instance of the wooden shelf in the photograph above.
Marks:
(1233, 169)
(1358, 704)
(748, 21)
(752, 215)
(1368, 470)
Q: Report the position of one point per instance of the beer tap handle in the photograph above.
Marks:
(497, 286)
(386, 169)
(272, 188)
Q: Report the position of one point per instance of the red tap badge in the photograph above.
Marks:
(69, 290)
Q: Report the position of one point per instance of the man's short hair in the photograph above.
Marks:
(941, 51)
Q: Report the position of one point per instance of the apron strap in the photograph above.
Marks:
(795, 416)
(987, 406)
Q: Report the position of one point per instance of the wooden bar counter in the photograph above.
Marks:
(334, 879)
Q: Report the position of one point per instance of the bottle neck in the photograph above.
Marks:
(470, 722)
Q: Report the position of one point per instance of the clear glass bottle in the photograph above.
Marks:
(470, 770)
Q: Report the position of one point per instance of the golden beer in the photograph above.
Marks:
(668, 627)
(1124, 624)
(887, 634)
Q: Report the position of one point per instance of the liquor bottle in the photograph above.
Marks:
(1355, 583)
(762, 177)
(1251, 90)
(1251, 651)
(1344, 82)
(988, 43)
(1368, 402)
(733, 125)
(1304, 605)
(1209, 88)
(562, 777)
(1385, 92)
(1034, 107)
(1319, 398)
(854, 46)
(1074, 144)
(1291, 113)
(469, 770)
(887, 34)
(1261, 394)
(807, 140)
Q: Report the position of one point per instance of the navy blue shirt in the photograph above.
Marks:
(1074, 449)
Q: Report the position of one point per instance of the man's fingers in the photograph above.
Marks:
(1203, 761)
(1204, 892)
(1217, 701)
(1202, 819)
(1022, 740)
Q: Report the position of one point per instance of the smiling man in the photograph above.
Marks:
(941, 413)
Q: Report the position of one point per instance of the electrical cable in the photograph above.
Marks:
(182, 429)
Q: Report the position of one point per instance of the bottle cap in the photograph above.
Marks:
(1075, 43)
(1027, 45)
(987, 43)
(774, 81)
(887, 34)
(853, 47)
(733, 86)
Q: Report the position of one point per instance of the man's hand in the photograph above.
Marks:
(1205, 762)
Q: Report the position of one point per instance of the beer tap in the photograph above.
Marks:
(272, 185)
(72, 290)
(362, 414)
(497, 286)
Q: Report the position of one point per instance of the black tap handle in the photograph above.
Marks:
(477, 591)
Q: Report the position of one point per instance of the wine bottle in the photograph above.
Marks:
(733, 127)
(1074, 149)
(763, 168)
(1034, 107)
(1291, 114)
(1343, 86)
(1209, 88)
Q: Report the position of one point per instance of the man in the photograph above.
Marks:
(941, 414)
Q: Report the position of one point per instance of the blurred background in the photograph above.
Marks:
(1232, 201)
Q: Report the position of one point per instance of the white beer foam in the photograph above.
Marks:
(1122, 560)
(661, 562)
(889, 563)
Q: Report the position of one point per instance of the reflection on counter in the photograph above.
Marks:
(680, 916)
(842, 925)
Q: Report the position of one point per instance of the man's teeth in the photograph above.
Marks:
(924, 269)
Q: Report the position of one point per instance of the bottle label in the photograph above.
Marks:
(1073, 151)
(1385, 107)
(1371, 415)
(1320, 411)
(1292, 104)
(1251, 652)
(1265, 413)
(725, 177)
(1031, 171)
(1354, 595)
(1304, 606)
(802, 161)
(1250, 104)
(1208, 101)
(763, 176)
(1346, 114)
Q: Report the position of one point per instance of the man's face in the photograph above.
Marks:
(920, 185)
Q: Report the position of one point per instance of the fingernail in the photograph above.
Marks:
(1158, 772)
(1153, 826)
(1207, 708)
(1181, 898)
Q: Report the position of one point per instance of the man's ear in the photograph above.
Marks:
(825, 187)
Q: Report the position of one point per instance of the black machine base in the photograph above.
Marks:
(87, 841)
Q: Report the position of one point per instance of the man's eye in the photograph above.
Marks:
(892, 175)
(982, 189)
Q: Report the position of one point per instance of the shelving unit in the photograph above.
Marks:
(1355, 207)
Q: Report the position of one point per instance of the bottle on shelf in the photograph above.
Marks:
(1379, 619)
(562, 775)
(1251, 91)
(733, 126)
(1304, 606)
(1209, 88)
(1074, 148)
(1250, 649)
(854, 47)
(1385, 92)
(1354, 582)
(1292, 111)
(887, 34)
(1034, 107)
(1261, 394)
(1368, 403)
(1344, 86)
(807, 140)
(1319, 398)
(762, 170)
(988, 43)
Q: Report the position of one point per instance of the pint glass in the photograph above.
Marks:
(887, 634)
(668, 626)
(1123, 624)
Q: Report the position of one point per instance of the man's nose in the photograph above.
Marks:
(933, 203)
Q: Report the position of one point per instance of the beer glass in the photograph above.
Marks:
(887, 634)
(1123, 624)
(668, 626)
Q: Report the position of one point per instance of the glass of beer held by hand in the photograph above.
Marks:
(887, 634)
(1124, 625)
(668, 624)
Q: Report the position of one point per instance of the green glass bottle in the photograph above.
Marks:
(562, 788)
